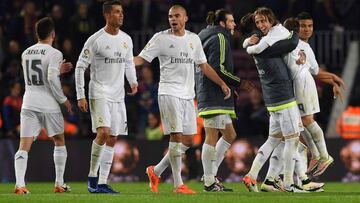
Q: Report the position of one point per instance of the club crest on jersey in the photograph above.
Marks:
(191, 46)
(125, 45)
(107, 47)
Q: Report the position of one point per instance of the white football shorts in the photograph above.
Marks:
(32, 122)
(286, 122)
(177, 115)
(218, 121)
(109, 114)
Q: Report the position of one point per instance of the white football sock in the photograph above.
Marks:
(290, 150)
(262, 155)
(221, 147)
(175, 161)
(311, 144)
(301, 162)
(105, 164)
(208, 158)
(165, 161)
(21, 158)
(96, 151)
(318, 136)
(276, 162)
(60, 155)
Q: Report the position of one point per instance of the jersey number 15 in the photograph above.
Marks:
(34, 73)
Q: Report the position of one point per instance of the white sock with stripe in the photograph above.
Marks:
(21, 158)
(60, 155)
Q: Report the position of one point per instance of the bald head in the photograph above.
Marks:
(178, 8)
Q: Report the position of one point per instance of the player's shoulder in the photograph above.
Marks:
(163, 33)
(29, 48)
(96, 36)
(122, 33)
(125, 35)
(304, 45)
(45, 49)
(193, 34)
(278, 28)
(51, 51)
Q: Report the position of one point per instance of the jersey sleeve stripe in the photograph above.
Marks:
(222, 59)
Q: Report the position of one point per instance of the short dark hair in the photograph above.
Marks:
(292, 24)
(214, 18)
(44, 27)
(107, 6)
(268, 13)
(304, 16)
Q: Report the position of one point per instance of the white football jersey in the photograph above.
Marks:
(310, 57)
(41, 66)
(109, 57)
(178, 56)
(290, 60)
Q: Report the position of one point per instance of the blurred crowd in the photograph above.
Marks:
(76, 20)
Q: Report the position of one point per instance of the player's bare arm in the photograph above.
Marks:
(330, 78)
(138, 60)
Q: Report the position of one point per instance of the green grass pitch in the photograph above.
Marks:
(139, 192)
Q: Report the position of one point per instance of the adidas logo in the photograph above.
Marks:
(20, 157)
(171, 46)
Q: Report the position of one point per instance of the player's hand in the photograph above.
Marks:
(134, 89)
(226, 90)
(254, 39)
(83, 105)
(339, 81)
(337, 92)
(65, 67)
(68, 106)
(302, 58)
(247, 85)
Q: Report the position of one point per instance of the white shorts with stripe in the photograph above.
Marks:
(218, 121)
(177, 115)
(286, 122)
(109, 114)
(306, 93)
(31, 123)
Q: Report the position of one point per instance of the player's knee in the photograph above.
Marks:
(111, 141)
(176, 137)
(102, 133)
(307, 120)
(59, 140)
(188, 140)
(25, 143)
(211, 139)
(230, 138)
